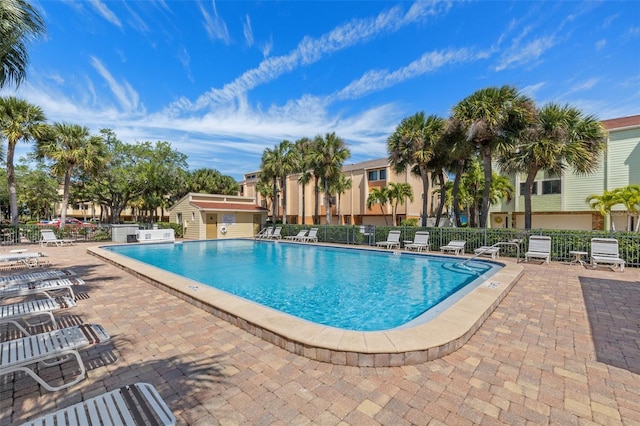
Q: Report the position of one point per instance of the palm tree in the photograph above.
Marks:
(558, 137)
(19, 22)
(19, 121)
(379, 196)
(604, 203)
(302, 148)
(326, 157)
(411, 146)
(492, 117)
(629, 196)
(459, 151)
(397, 194)
(70, 148)
(339, 187)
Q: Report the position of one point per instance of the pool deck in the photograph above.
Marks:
(562, 347)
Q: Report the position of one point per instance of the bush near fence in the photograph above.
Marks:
(562, 241)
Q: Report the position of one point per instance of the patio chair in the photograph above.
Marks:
(28, 312)
(494, 252)
(298, 237)
(265, 233)
(393, 240)
(35, 276)
(455, 246)
(605, 251)
(49, 349)
(420, 242)
(45, 288)
(49, 237)
(277, 233)
(22, 259)
(312, 237)
(539, 247)
(137, 404)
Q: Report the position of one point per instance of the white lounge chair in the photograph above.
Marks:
(494, 252)
(298, 237)
(41, 287)
(26, 313)
(455, 246)
(605, 251)
(35, 276)
(420, 242)
(49, 237)
(312, 237)
(50, 348)
(277, 233)
(265, 233)
(137, 404)
(393, 240)
(25, 258)
(539, 248)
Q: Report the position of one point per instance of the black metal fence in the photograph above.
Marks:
(562, 241)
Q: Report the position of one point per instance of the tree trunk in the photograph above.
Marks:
(441, 203)
(424, 174)
(283, 184)
(327, 196)
(484, 209)
(456, 193)
(303, 203)
(65, 198)
(316, 194)
(528, 185)
(274, 214)
(11, 180)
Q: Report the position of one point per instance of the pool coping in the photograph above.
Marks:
(405, 346)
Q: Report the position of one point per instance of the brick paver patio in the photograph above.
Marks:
(562, 348)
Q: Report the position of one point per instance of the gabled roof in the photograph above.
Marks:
(622, 122)
(377, 163)
(236, 207)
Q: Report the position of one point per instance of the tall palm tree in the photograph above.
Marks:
(411, 146)
(19, 22)
(19, 121)
(459, 152)
(339, 187)
(557, 138)
(492, 117)
(70, 147)
(326, 157)
(302, 148)
(397, 194)
(379, 196)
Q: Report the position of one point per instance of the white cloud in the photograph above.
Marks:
(124, 93)
(311, 50)
(609, 20)
(106, 12)
(247, 31)
(532, 89)
(185, 60)
(267, 47)
(214, 25)
(518, 55)
(600, 44)
(428, 62)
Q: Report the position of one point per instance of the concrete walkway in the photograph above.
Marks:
(562, 348)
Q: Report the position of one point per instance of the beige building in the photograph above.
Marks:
(349, 208)
(209, 216)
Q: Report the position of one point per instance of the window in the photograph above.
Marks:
(551, 186)
(534, 188)
(380, 174)
(179, 218)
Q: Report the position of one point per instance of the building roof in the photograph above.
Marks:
(378, 162)
(622, 122)
(236, 207)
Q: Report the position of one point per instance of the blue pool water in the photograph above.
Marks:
(352, 289)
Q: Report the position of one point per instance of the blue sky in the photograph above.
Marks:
(221, 81)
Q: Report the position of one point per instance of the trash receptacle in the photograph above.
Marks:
(131, 238)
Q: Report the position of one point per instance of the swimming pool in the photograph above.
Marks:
(452, 324)
(360, 290)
